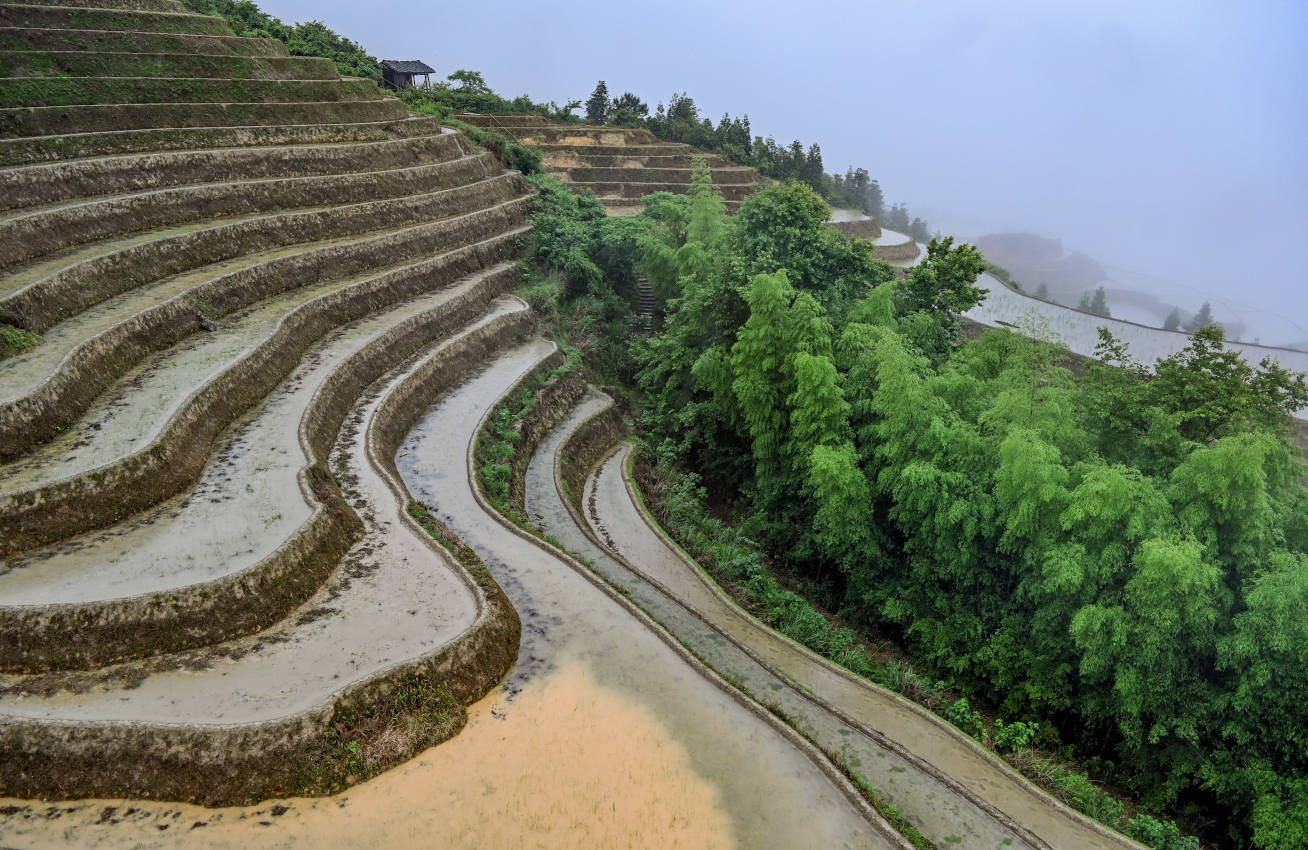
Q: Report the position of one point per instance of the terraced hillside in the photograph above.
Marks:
(620, 165)
(233, 284)
(229, 260)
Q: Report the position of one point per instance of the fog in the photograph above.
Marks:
(1165, 140)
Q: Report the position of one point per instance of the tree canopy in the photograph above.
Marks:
(1122, 554)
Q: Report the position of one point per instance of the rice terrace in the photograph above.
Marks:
(386, 462)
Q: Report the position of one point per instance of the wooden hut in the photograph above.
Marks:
(398, 74)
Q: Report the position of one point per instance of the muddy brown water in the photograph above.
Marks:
(929, 806)
(607, 773)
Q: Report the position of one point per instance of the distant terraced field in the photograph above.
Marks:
(619, 165)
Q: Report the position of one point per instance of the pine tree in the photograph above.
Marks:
(1202, 319)
(597, 107)
(813, 168)
(629, 102)
(874, 201)
(1099, 304)
(1173, 320)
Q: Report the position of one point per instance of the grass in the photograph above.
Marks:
(887, 811)
(418, 713)
(497, 443)
(16, 340)
(441, 533)
(512, 153)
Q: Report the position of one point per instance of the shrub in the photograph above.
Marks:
(961, 714)
(1160, 835)
(1015, 736)
(15, 340)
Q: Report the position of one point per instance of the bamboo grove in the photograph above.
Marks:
(1119, 551)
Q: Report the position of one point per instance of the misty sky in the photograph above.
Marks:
(1167, 138)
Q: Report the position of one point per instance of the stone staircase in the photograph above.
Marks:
(619, 165)
(646, 304)
(248, 277)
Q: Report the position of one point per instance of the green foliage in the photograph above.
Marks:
(543, 296)
(680, 120)
(1120, 555)
(511, 152)
(733, 559)
(938, 288)
(470, 82)
(1016, 736)
(1202, 319)
(783, 227)
(471, 93)
(1004, 276)
(597, 107)
(961, 714)
(15, 340)
(565, 233)
(1097, 303)
(1160, 835)
(312, 38)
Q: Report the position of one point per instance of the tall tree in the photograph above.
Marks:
(813, 169)
(1173, 320)
(1099, 303)
(630, 102)
(1202, 319)
(874, 201)
(597, 106)
(471, 82)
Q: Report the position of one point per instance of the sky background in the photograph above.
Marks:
(1166, 139)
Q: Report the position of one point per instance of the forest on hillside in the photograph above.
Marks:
(682, 120)
(1114, 551)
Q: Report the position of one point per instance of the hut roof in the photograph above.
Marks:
(407, 66)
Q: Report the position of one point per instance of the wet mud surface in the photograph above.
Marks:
(601, 736)
(133, 412)
(393, 600)
(563, 777)
(247, 501)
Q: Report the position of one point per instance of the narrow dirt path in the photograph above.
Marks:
(939, 750)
